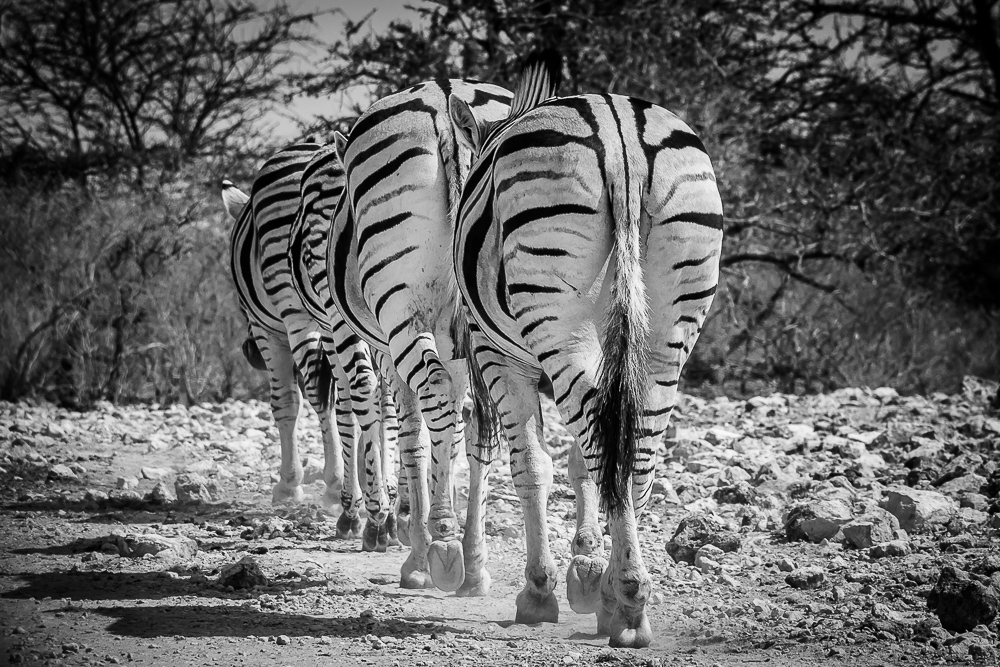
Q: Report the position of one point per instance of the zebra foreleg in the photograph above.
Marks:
(583, 579)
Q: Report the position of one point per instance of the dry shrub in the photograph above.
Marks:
(118, 296)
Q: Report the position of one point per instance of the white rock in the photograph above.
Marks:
(801, 431)
(155, 473)
(718, 435)
(62, 471)
(129, 482)
(201, 467)
(915, 509)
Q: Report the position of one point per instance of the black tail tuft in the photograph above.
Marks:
(484, 408)
(252, 354)
(324, 382)
(618, 419)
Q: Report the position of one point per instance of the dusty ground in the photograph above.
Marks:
(68, 596)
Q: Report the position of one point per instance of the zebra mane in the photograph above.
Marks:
(539, 81)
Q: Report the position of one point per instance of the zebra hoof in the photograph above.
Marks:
(583, 583)
(390, 528)
(348, 527)
(374, 537)
(447, 564)
(534, 609)
(370, 537)
(475, 587)
(284, 493)
(413, 579)
(629, 628)
(403, 529)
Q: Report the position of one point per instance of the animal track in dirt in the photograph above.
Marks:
(815, 527)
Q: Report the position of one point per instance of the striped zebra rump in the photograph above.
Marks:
(392, 233)
(584, 210)
(391, 277)
(587, 248)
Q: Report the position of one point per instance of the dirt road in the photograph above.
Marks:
(69, 596)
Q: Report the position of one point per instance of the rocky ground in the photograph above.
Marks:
(858, 526)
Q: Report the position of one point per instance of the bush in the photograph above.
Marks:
(119, 296)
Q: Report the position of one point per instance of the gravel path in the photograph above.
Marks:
(787, 530)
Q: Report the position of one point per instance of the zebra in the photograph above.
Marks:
(389, 253)
(587, 247)
(321, 186)
(284, 339)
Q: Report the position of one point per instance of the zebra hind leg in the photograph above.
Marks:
(583, 578)
(414, 450)
(625, 587)
(515, 391)
(389, 426)
(446, 554)
(349, 522)
(477, 578)
(285, 401)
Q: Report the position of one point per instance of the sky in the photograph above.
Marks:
(328, 27)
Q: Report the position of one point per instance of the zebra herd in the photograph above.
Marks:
(468, 239)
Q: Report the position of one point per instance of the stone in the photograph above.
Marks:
(885, 394)
(697, 530)
(244, 574)
(806, 577)
(137, 545)
(282, 640)
(892, 548)
(873, 527)
(61, 471)
(740, 493)
(129, 482)
(312, 470)
(718, 435)
(665, 488)
(155, 473)
(202, 467)
(161, 494)
(970, 483)
(916, 510)
(192, 488)
(974, 500)
(707, 557)
(816, 521)
(125, 498)
(786, 565)
(962, 600)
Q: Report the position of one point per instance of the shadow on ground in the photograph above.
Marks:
(132, 586)
(227, 621)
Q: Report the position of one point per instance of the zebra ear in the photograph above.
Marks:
(466, 126)
(539, 81)
(233, 198)
(340, 145)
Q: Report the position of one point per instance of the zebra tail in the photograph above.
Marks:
(484, 408)
(624, 370)
(252, 353)
(324, 382)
